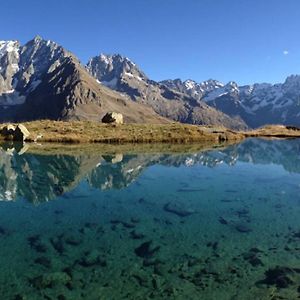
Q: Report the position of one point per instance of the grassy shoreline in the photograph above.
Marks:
(93, 132)
(87, 132)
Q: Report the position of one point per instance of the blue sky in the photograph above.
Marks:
(243, 40)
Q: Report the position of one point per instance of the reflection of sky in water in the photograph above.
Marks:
(220, 224)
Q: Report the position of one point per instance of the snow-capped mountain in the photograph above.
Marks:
(21, 67)
(43, 80)
(112, 68)
(256, 104)
(123, 75)
(192, 88)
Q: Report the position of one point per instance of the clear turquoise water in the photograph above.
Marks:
(220, 224)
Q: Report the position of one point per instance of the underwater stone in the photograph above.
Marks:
(178, 209)
(36, 243)
(160, 269)
(253, 259)
(58, 244)
(50, 279)
(136, 235)
(135, 219)
(142, 279)
(278, 276)
(73, 240)
(213, 245)
(90, 225)
(151, 262)
(296, 234)
(128, 225)
(242, 212)
(223, 221)
(93, 258)
(20, 297)
(157, 282)
(243, 228)
(146, 250)
(44, 261)
(3, 231)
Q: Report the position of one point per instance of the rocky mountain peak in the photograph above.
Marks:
(292, 83)
(111, 69)
(42, 80)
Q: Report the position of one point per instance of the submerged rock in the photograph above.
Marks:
(93, 258)
(146, 250)
(136, 235)
(44, 261)
(223, 221)
(253, 257)
(51, 279)
(243, 228)
(278, 276)
(73, 240)
(36, 243)
(58, 244)
(178, 209)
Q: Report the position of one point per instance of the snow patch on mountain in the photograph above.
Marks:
(8, 46)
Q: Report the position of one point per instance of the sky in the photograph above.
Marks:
(242, 40)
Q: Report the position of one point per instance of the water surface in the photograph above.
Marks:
(215, 224)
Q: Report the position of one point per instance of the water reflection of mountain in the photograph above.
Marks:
(39, 178)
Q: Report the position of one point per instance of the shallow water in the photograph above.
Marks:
(219, 224)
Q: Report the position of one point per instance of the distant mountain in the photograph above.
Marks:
(257, 104)
(43, 80)
(121, 74)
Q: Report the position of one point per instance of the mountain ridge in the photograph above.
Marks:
(41, 79)
(121, 74)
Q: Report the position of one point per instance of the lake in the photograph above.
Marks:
(208, 224)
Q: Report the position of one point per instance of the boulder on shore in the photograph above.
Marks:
(113, 117)
(20, 133)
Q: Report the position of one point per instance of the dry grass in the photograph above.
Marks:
(94, 132)
(274, 131)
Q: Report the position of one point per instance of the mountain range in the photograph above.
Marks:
(42, 80)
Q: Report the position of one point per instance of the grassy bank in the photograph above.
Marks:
(274, 131)
(93, 132)
(174, 133)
